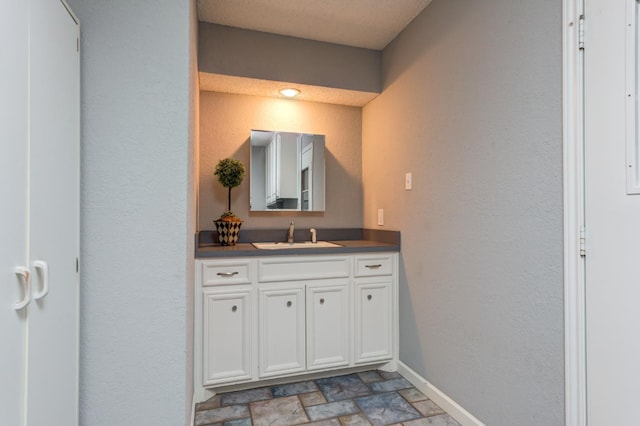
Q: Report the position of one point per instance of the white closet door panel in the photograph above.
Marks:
(52, 396)
(13, 207)
(612, 218)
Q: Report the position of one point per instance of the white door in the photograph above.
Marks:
(13, 207)
(612, 218)
(282, 331)
(226, 336)
(327, 326)
(374, 320)
(52, 396)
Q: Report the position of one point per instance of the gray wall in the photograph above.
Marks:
(192, 200)
(254, 54)
(472, 106)
(135, 237)
(226, 121)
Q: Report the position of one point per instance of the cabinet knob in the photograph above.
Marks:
(369, 297)
(289, 304)
(234, 308)
(322, 301)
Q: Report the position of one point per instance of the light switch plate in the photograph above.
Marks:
(408, 181)
(380, 217)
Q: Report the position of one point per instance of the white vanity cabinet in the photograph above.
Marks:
(302, 300)
(282, 334)
(226, 311)
(328, 329)
(227, 336)
(299, 333)
(374, 299)
(373, 313)
(271, 317)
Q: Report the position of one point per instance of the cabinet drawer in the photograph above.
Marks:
(306, 268)
(226, 273)
(374, 265)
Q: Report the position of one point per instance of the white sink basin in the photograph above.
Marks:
(285, 245)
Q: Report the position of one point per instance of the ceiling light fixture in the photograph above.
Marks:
(289, 92)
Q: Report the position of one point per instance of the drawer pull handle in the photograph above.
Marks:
(234, 308)
(289, 304)
(379, 265)
(322, 301)
(369, 297)
(227, 274)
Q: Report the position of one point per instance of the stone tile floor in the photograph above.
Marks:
(370, 398)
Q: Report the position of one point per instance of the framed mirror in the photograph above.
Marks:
(287, 171)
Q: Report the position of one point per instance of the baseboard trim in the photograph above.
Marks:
(193, 412)
(436, 395)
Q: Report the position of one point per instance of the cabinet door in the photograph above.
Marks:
(282, 334)
(226, 337)
(54, 215)
(327, 326)
(374, 320)
(13, 207)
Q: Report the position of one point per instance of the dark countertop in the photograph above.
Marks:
(355, 241)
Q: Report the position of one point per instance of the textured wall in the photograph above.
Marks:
(192, 193)
(134, 211)
(226, 121)
(254, 54)
(472, 106)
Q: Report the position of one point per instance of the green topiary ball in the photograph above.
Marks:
(230, 172)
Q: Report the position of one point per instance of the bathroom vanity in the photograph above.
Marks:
(263, 316)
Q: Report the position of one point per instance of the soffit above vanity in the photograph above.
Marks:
(329, 50)
(369, 24)
(211, 82)
(234, 60)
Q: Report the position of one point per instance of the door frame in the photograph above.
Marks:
(573, 213)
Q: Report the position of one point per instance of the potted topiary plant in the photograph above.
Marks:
(230, 174)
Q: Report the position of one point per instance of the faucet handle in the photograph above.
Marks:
(290, 233)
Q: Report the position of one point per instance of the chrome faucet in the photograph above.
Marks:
(290, 233)
(313, 235)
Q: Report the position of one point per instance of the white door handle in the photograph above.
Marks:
(24, 273)
(42, 266)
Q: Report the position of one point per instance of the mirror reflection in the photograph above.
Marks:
(287, 171)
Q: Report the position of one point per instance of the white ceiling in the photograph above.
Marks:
(371, 24)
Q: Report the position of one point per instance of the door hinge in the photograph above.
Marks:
(77, 44)
(581, 33)
(583, 251)
(77, 265)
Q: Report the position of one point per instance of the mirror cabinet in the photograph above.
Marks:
(287, 171)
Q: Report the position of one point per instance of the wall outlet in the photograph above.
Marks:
(408, 181)
(380, 217)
